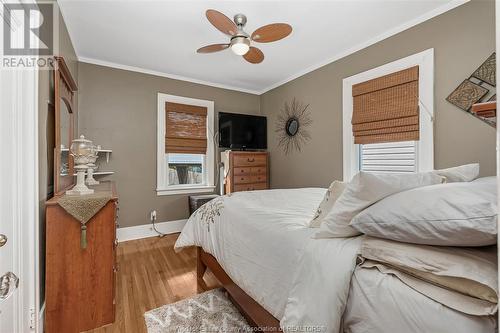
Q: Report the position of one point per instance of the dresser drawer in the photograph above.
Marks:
(245, 160)
(262, 178)
(258, 170)
(242, 171)
(243, 179)
(250, 187)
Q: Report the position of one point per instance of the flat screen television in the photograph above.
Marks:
(242, 131)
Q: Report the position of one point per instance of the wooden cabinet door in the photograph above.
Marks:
(79, 282)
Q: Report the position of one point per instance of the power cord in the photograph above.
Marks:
(215, 136)
(153, 221)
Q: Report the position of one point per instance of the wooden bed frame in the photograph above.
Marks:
(253, 312)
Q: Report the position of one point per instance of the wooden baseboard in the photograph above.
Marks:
(146, 230)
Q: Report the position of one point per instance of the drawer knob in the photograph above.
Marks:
(250, 159)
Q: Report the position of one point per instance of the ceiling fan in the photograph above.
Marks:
(240, 40)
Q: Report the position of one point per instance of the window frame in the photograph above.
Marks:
(162, 186)
(425, 146)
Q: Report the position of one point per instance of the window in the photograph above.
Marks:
(185, 162)
(410, 147)
(185, 169)
(388, 157)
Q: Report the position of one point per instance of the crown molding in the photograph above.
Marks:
(163, 74)
(427, 16)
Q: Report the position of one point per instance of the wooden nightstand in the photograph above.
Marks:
(196, 201)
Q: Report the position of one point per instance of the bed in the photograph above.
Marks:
(258, 244)
(403, 309)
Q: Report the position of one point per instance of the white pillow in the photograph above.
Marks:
(463, 173)
(455, 214)
(332, 194)
(364, 190)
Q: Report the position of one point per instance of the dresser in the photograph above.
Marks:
(80, 282)
(245, 170)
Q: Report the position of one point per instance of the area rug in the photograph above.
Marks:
(210, 311)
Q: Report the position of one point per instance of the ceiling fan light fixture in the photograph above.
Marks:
(240, 45)
(240, 40)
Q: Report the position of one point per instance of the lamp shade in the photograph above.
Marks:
(240, 45)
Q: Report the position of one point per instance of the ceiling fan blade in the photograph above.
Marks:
(271, 32)
(212, 48)
(254, 55)
(221, 22)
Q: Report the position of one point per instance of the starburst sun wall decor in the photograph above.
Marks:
(291, 126)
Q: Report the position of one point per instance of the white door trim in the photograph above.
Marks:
(425, 61)
(27, 198)
(497, 8)
(21, 162)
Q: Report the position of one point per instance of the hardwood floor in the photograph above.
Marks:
(150, 275)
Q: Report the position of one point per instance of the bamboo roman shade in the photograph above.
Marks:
(385, 109)
(186, 129)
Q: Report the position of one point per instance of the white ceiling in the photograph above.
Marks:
(161, 37)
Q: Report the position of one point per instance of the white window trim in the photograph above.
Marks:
(161, 164)
(425, 146)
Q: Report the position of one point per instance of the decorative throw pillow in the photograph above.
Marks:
(332, 194)
(365, 189)
(462, 173)
(454, 214)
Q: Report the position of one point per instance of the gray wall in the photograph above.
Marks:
(117, 109)
(462, 39)
(46, 135)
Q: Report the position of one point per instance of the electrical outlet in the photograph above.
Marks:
(152, 215)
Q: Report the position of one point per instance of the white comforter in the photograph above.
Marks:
(262, 241)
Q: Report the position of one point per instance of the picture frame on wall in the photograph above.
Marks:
(467, 94)
(478, 88)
